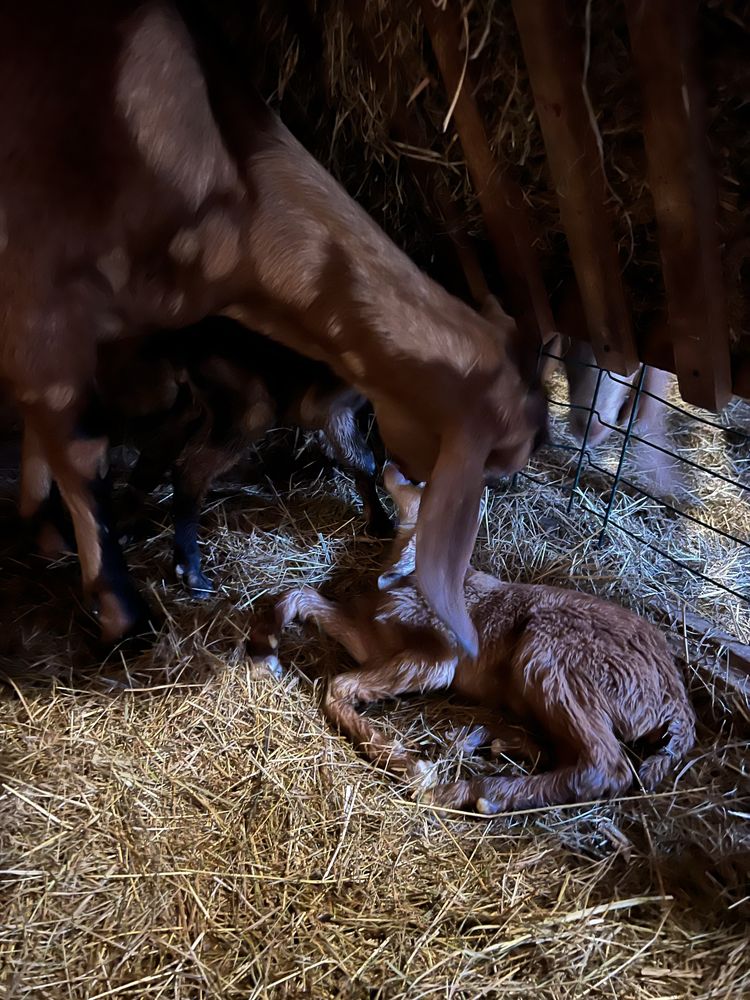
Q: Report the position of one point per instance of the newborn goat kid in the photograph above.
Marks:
(194, 400)
(583, 671)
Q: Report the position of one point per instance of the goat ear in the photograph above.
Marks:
(447, 529)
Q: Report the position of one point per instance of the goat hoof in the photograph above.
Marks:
(486, 808)
(422, 774)
(139, 638)
(453, 795)
(201, 589)
(425, 796)
(196, 583)
(124, 618)
(467, 739)
(262, 667)
(262, 649)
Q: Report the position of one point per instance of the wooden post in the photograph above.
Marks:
(554, 59)
(407, 129)
(662, 36)
(499, 196)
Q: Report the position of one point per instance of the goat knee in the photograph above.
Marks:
(339, 690)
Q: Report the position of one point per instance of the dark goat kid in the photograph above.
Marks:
(143, 185)
(193, 400)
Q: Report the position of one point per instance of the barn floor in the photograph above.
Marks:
(172, 827)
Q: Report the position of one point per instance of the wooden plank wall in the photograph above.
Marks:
(682, 182)
(693, 337)
(500, 198)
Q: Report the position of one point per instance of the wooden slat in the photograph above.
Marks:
(500, 198)
(654, 345)
(554, 59)
(684, 192)
(407, 128)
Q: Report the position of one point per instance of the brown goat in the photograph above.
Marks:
(204, 395)
(143, 185)
(585, 672)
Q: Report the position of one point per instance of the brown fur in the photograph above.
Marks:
(131, 201)
(583, 671)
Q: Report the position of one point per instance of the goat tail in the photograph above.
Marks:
(680, 741)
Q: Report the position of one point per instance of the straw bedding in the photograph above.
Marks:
(172, 825)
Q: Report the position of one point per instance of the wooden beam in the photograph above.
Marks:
(407, 129)
(554, 59)
(500, 198)
(662, 36)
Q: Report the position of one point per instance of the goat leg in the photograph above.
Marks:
(306, 604)
(345, 444)
(40, 504)
(398, 676)
(186, 510)
(600, 772)
(598, 766)
(654, 464)
(581, 782)
(191, 482)
(158, 454)
(680, 740)
(503, 738)
(193, 475)
(76, 455)
(379, 523)
(514, 741)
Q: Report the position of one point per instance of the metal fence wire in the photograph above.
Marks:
(617, 480)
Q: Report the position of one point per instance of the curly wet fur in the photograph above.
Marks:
(584, 671)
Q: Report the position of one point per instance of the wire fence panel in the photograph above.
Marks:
(690, 547)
